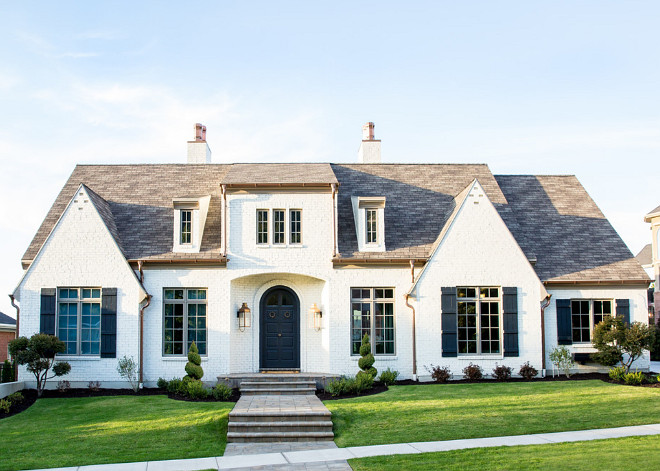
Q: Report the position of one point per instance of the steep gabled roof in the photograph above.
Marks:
(105, 212)
(279, 174)
(645, 256)
(570, 236)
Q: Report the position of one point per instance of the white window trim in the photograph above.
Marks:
(270, 228)
(591, 318)
(185, 301)
(79, 301)
(360, 206)
(478, 354)
(373, 300)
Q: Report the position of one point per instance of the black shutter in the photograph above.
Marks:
(47, 317)
(109, 323)
(449, 322)
(623, 310)
(564, 331)
(510, 314)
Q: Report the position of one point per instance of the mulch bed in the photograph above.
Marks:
(235, 396)
(378, 388)
(29, 398)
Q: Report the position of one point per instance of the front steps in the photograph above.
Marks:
(279, 408)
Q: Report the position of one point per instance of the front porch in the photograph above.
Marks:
(235, 380)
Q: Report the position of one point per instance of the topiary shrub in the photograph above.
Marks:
(501, 372)
(363, 382)
(195, 389)
(389, 377)
(366, 363)
(527, 371)
(440, 374)
(473, 372)
(7, 372)
(38, 355)
(193, 367)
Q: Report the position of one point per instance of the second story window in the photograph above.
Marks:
(295, 216)
(372, 225)
(262, 226)
(278, 226)
(186, 226)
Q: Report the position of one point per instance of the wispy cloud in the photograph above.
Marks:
(102, 34)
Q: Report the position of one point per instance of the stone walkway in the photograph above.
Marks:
(326, 456)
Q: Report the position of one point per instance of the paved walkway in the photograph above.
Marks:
(326, 457)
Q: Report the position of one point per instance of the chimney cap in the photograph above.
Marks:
(200, 132)
(368, 131)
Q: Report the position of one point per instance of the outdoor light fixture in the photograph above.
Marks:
(243, 315)
(317, 315)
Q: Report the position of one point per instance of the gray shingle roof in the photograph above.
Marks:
(572, 239)
(5, 319)
(645, 256)
(553, 218)
(280, 174)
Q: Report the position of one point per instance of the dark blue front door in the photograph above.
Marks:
(280, 329)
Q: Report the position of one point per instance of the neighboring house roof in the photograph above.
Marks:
(5, 319)
(553, 219)
(651, 214)
(645, 256)
(279, 174)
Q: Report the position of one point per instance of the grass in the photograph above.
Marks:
(626, 454)
(452, 411)
(78, 431)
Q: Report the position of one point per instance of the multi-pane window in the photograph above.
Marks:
(585, 315)
(372, 226)
(278, 226)
(79, 320)
(186, 226)
(295, 217)
(373, 314)
(478, 320)
(184, 320)
(262, 226)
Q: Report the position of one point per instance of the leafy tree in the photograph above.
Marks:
(38, 354)
(561, 357)
(193, 367)
(618, 342)
(366, 363)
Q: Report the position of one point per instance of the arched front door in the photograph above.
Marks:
(279, 329)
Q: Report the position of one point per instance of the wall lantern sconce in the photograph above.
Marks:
(317, 315)
(243, 316)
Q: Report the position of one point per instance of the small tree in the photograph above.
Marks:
(38, 354)
(561, 357)
(193, 367)
(7, 372)
(366, 363)
(619, 342)
(127, 369)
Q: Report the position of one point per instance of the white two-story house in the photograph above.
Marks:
(284, 267)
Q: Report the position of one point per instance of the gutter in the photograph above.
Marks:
(544, 304)
(334, 220)
(18, 318)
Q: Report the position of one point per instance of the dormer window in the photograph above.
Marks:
(186, 226)
(369, 215)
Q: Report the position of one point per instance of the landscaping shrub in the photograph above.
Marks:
(193, 367)
(127, 369)
(63, 385)
(363, 382)
(634, 379)
(440, 374)
(16, 398)
(196, 390)
(5, 406)
(527, 371)
(38, 354)
(616, 340)
(388, 376)
(94, 386)
(174, 386)
(162, 383)
(561, 357)
(7, 372)
(617, 374)
(346, 385)
(221, 392)
(9, 401)
(473, 372)
(652, 379)
(335, 387)
(366, 363)
(501, 372)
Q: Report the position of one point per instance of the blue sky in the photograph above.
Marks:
(526, 87)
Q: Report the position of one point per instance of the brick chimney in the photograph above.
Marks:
(198, 150)
(369, 152)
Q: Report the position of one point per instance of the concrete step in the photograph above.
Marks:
(292, 416)
(264, 437)
(270, 378)
(278, 384)
(275, 426)
(278, 391)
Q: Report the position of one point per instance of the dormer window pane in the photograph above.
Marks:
(278, 226)
(186, 226)
(262, 226)
(372, 226)
(296, 229)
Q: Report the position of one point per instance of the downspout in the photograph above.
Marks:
(414, 336)
(334, 219)
(223, 190)
(141, 380)
(544, 304)
(18, 318)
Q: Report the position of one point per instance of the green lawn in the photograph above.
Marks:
(625, 454)
(451, 411)
(78, 431)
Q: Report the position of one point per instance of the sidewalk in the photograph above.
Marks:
(334, 458)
